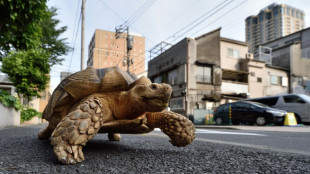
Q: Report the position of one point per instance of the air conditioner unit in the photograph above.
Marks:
(248, 55)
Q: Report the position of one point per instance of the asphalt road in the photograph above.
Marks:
(293, 142)
(22, 152)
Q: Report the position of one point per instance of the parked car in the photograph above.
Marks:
(299, 104)
(248, 112)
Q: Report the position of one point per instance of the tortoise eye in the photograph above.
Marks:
(154, 86)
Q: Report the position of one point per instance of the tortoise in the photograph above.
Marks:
(111, 101)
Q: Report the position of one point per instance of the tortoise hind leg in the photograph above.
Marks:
(75, 129)
(114, 136)
(46, 133)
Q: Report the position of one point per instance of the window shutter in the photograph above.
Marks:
(284, 81)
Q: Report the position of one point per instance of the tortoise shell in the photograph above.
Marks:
(83, 83)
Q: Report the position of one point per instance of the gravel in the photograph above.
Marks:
(22, 152)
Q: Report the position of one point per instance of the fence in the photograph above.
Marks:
(203, 116)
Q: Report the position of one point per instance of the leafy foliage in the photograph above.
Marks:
(20, 24)
(28, 113)
(50, 40)
(27, 70)
(9, 101)
(30, 44)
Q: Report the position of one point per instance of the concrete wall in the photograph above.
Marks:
(300, 66)
(208, 48)
(260, 80)
(272, 89)
(174, 56)
(230, 62)
(9, 116)
(257, 71)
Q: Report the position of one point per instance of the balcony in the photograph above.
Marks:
(234, 88)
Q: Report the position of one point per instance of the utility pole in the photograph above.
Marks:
(82, 39)
(129, 39)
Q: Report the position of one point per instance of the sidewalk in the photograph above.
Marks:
(299, 128)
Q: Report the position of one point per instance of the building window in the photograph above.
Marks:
(158, 79)
(233, 53)
(275, 80)
(298, 80)
(204, 74)
(278, 80)
(176, 103)
(172, 77)
(259, 79)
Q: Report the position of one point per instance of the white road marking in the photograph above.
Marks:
(204, 131)
(261, 147)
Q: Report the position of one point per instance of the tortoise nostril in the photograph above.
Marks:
(168, 87)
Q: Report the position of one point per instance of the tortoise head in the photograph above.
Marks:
(152, 97)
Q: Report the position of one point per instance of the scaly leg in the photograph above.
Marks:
(134, 126)
(180, 129)
(115, 127)
(46, 133)
(78, 127)
(114, 136)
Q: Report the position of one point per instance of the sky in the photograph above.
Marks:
(156, 20)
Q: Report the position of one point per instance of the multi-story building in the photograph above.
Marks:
(293, 52)
(272, 22)
(106, 51)
(210, 70)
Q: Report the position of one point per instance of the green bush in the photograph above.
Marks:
(9, 101)
(28, 113)
(13, 102)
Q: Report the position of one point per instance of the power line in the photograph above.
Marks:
(245, 15)
(75, 42)
(140, 12)
(173, 21)
(215, 9)
(223, 14)
(197, 22)
(235, 7)
(111, 10)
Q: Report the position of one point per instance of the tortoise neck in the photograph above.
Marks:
(127, 106)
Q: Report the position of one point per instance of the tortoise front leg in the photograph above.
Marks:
(75, 129)
(134, 126)
(115, 127)
(180, 129)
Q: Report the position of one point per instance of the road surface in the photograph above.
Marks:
(22, 152)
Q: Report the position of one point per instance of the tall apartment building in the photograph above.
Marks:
(105, 51)
(272, 22)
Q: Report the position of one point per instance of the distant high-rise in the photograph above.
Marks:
(105, 51)
(272, 22)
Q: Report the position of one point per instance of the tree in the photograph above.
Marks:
(51, 41)
(20, 24)
(27, 70)
(30, 44)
